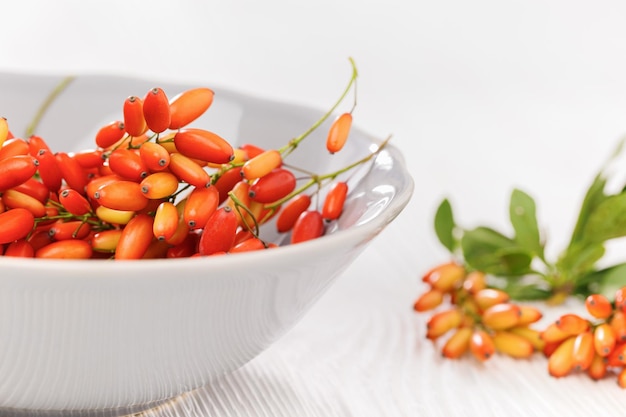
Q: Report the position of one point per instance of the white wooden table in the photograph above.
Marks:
(481, 96)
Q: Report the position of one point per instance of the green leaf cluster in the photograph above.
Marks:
(518, 260)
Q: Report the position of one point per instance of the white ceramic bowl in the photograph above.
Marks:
(123, 336)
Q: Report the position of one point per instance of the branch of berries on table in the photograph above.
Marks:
(479, 300)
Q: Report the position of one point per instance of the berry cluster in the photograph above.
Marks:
(594, 346)
(481, 320)
(154, 187)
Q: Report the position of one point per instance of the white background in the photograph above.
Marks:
(481, 96)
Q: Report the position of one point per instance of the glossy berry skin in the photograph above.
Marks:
(15, 224)
(134, 120)
(74, 202)
(189, 105)
(15, 170)
(154, 156)
(334, 201)
(159, 185)
(156, 110)
(203, 145)
(289, 214)
(165, 221)
(482, 345)
(273, 186)
(121, 195)
(128, 164)
(187, 170)
(14, 199)
(219, 232)
(66, 249)
(339, 132)
(110, 134)
(74, 175)
(309, 226)
(201, 204)
(261, 164)
(598, 306)
(135, 238)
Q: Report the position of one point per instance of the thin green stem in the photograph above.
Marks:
(293, 144)
(30, 129)
(318, 179)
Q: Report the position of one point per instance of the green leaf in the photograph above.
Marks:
(609, 280)
(522, 212)
(444, 225)
(490, 251)
(607, 220)
(578, 260)
(526, 292)
(594, 196)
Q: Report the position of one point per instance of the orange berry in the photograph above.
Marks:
(121, 195)
(66, 249)
(273, 186)
(598, 306)
(14, 199)
(553, 333)
(15, 224)
(529, 315)
(617, 357)
(135, 238)
(189, 105)
(334, 201)
(67, 230)
(156, 110)
(113, 216)
(128, 164)
(532, 335)
(134, 120)
(428, 300)
(482, 345)
(457, 344)
(16, 170)
(20, 249)
(309, 225)
(106, 241)
(583, 351)
(490, 297)
(74, 175)
(203, 145)
(262, 164)
(159, 185)
(604, 339)
(49, 171)
(219, 232)
(339, 132)
(226, 181)
(74, 202)
(445, 277)
(512, 344)
(289, 214)
(248, 245)
(474, 281)
(501, 316)
(187, 170)
(442, 322)
(597, 369)
(561, 361)
(201, 204)
(618, 323)
(572, 324)
(155, 157)
(110, 134)
(14, 147)
(165, 221)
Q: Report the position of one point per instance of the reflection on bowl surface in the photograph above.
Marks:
(125, 335)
